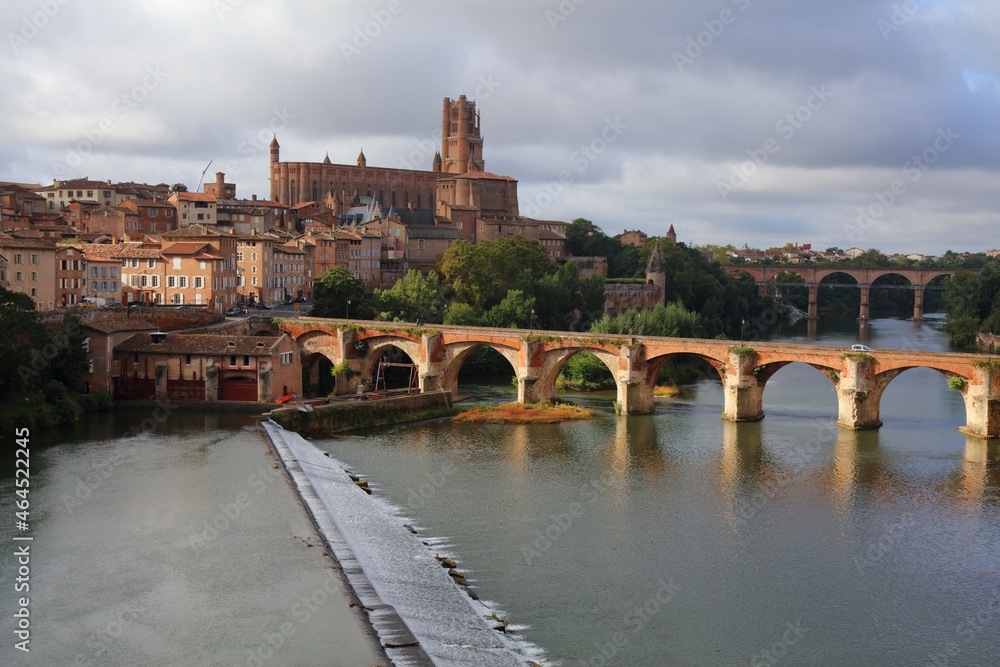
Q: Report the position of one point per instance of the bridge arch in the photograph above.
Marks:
(545, 383)
(456, 354)
(376, 346)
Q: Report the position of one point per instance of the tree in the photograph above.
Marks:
(20, 370)
(333, 290)
(482, 275)
(462, 314)
(672, 319)
(514, 311)
(178, 187)
(69, 364)
(414, 298)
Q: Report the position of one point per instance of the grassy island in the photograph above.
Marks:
(516, 413)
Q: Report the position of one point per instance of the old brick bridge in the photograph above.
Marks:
(865, 279)
(537, 357)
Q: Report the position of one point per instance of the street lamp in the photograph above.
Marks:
(742, 324)
(531, 321)
(347, 311)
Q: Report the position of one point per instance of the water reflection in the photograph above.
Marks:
(979, 477)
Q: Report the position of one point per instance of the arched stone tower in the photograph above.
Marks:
(461, 141)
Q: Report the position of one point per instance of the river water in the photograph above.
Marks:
(671, 539)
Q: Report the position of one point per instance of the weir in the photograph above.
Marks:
(422, 617)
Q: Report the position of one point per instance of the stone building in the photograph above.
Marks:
(619, 297)
(207, 367)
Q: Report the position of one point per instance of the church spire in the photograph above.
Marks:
(362, 161)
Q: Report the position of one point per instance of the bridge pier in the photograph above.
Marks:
(744, 394)
(635, 398)
(430, 365)
(858, 395)
(982, 402)
(865, 290)
(812, 312)
(918, 302)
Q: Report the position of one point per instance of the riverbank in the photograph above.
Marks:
(416, 606)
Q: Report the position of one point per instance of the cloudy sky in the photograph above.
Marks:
(845, 123)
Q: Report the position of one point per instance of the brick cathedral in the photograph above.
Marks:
(456, 187)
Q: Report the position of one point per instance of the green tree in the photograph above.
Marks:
(414, 298)
(482, 275)
(585, 239)
(514, 311)
(20, 369)
(334, 289)
(462, 314)
(178, 187)
(672, 319)
(69, 363)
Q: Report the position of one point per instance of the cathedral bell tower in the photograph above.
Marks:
(461, 140)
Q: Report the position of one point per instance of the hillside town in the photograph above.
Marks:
(95, 242)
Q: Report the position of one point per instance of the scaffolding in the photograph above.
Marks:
(413, 384)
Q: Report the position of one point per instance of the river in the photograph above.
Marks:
(672, 539)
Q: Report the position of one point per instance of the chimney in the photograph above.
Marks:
(253, 197)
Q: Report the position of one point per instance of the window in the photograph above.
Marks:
(253, 281)
(286, 358)
(93, 272)
(86, 345)
(201, 216)
(188, 360)
(232, 360)
(182, 281)
(143, 280)
(155, 281)
(239, 257)
(151, 263)
(246, 360)
(177, 262)
(171, 281)
(18, 258)
(199, 282)
(152, 213)
(201, 265)
(34, 277)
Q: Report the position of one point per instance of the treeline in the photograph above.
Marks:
(41, 370)
(511, 282)
(973, 304)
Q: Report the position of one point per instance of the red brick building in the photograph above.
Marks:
(208, 367)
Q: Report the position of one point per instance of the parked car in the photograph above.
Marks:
(860, 348)
(237, 310)
(261, 306)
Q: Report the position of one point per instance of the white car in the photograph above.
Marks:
(860, 348)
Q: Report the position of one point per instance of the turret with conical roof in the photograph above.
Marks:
(274, 148)
(656, 274)
(362, 161)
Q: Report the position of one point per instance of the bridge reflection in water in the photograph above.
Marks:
(744, 369)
